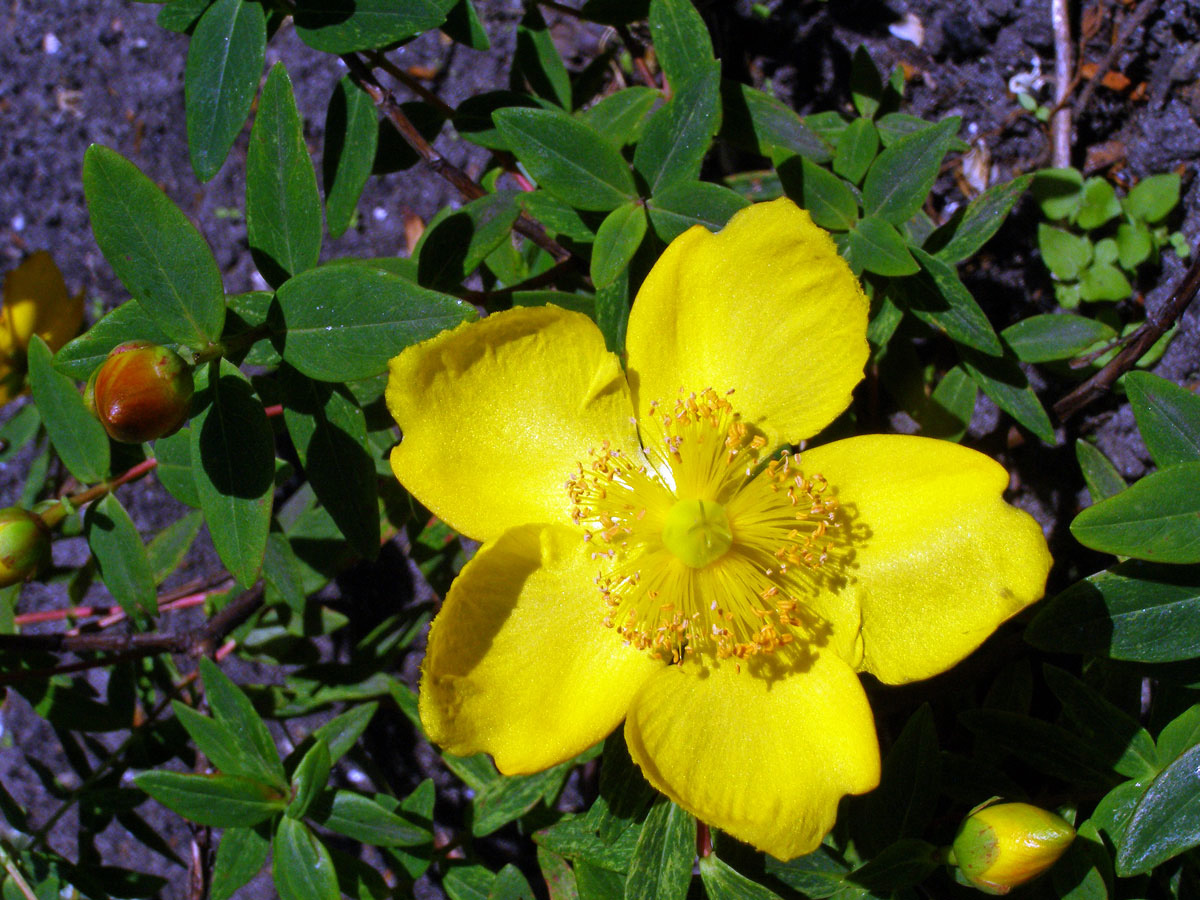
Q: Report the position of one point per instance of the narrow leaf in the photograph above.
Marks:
(681, 40)
(77, 435)
(232, 708)
(301, 866)
(233, 461)
(1046, 338)
(351, 136)
(160, 257)
(121, 558)
(662, 863)
(241, 855)
(219, 801)
(1156, 519)
(617, 241)
(1101, 476)
(983, 218)
(1166, 821)
(678, 135)
(283, 206)
(1003, 381)
(224, 62)
(902, 176)
(343, 27)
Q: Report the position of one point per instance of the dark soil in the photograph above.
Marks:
(73, 74)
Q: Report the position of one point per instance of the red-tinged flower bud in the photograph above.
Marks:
(999, 847)
(24, 545)
(141, 392)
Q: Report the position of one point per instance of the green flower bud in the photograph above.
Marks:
(141, 392)
(999, 847)
(24, 545)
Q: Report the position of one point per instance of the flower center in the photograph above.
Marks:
(699, 549)
(697, 531)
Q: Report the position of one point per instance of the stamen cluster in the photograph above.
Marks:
(749, 601)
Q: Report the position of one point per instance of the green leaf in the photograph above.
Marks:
(1059, 192)
(463, 25)
(624, 794)
(510, 884)
(724, 883)
(1136, 611)
(1179, 734)
(344, 322)
(329, 432)
(180, 15)
(612, 312)
(560, 880)
(1003, 381)
(219, 801)
(1156, 519)
(866, 87)
(283, 205)
(233, 461)
(902, 176)
(224, 62)
(678, 135)
(762, 124)
(681, 41)
(1049, 748)
(1044, 338)
(1114, 733)
(827, 198)
(573, 838)
(877, 247)
(232, 708)
(167, 549)
(362, 819)
(1152, 198)
(903, 804)
(938, 298)
(622, 116)
(121, 558)
(902, 865)
(160, 257)
(1064, 254)
(128, 322)
(1168, 417)
(1103, 281)
(856, 150)
(952, 406)
(567, 158)
(506, 799)
(1102, 478)
(174, 470)
(458, 243)
(662, 863)
(77, 435)
(1166, 821)
(241, 855)
(342, 732)
(617, 240)
(351, 136)
(340, 26)
(676, 209)
(537, 63)
(216, 741)
(1099, 204)
(301, 866)
(817, 875)
(310, 778)
(1134, 245)
(982, 219)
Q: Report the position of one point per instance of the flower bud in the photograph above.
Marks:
(24, 545)
(999, 847)
(141, 392)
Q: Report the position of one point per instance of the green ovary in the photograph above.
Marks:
(697, 532)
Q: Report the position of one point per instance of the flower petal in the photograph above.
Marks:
(518, 662)
(496, 414)
(36, 302)
(765, 760)
(765, 308)
(944, 561)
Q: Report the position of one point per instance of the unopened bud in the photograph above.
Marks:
(999, 847)
(141, 392)
(24, 545)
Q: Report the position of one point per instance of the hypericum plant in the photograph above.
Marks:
(282, 398)
(1100, 238)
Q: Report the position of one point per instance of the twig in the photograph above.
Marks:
(550, 276)
(439, 164)
(378, 59)
(201, 641)
(1060, 121)
(1141, 341)
(1133, 24)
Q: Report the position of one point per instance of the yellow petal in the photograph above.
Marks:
(765, 308)
(943, 560)
(36, 302)
(764, 760)
(518, 663)
(496, 414)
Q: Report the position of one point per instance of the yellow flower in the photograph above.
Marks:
(35, 302)
(645, 558)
